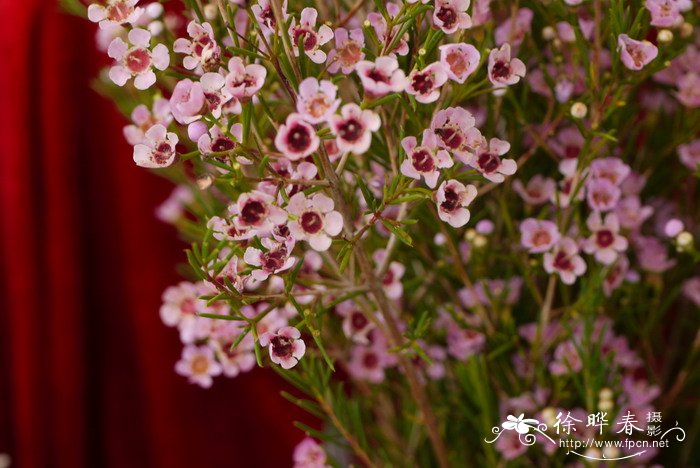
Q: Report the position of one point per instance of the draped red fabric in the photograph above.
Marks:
(86, 367)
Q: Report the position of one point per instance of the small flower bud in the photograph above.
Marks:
(366, 24)
(422, 51)
(211, 11)
(480, 241)
(686, 30)
(556, 43)
(611, 452)
(605, 394)
(549, 415)
(499, 92)
(204, 182)
(665, 36)
(579, 110)
(673, 227)
(592, 453)
(470, 234)
(548, 33)
(606, 405)
(684, 239)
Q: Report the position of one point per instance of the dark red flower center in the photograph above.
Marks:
(422, 161)
(162, 153)
(500, 69)
(451, 202)
(450, 137)
(563, 262)
(351, 130)
(358, 321)
(447, 15)
(370, 360)
(222, 144)
(253, 211)
(281, 346)
(138, 60)
(423, 83)
(604, 238)
(311, 222)
(299, 138)
(488, 162)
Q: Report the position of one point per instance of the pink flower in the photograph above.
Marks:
(502, 70)
(664, 13)
(602, 194)
(274, 260)
(566, 359)
(157, 149)
(673, 227)
(604, 242)
(616, 275)
(462, 343)
(187, 101)
(266, 17)
(296, 139)
(567, 144)
(237, 359)
(202, 50)
(143, 119)
(173, 207)
(198, 364)
(691, 290)
(354, 127)
(459, 60)
(306, 34)
(455, 131)
(256, 210)
(391, 283)
(565, 261)
(689, 90)
(369, 362)
(309, 454)
(451, 15)
(452, 199)
(631, 213)
(424, 160)
(488, 162)
(356, 326)
(689, 154)
(612, 169)
(513, 30)
(381, 77)
(224, 229)
(380, 26)
(180, 301)
(316, 221)
(317, 101)
(138, 60)
(115, 13)
(242, 80)
(425, 84)
(538, 236)
(635, 54)
(537, 191)
(286, 346)
(347, 52)
(652, 254)
(216, 141)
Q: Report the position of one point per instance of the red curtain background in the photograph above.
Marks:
(86, 367)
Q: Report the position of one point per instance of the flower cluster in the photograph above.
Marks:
(461, 207)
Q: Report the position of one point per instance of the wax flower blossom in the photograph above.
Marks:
(455, 131)
(115, 13)
(537, 191)
(274, 260)
(459, 60)
(452, 199)
(266, 17)
(489, 163)
(602, 194)
(538, 236)
(286, 346)
(381, 77)
(296, 139)
(424, 160)
(635, 54)
(138, 61)
(502, 70)
(256, 210)
(605, 242)
(157, 149)
(242, 80)
(201, 49)
(217, 141)
(451, 15)
(199, 365)
(144, 118)
(689, 155)
(317, 100)
(347, 52)
(305, 34)
(565, 261)
(425, 84)
(316, 222)
(309, 454)
(356, 325)
(353, 128)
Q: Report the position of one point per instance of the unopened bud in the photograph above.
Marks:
(606, 405)
(480, 241)
(549, 415)
(605, 394)
(366, 24)
(204, 182)
(211, 11)
(611, 452)
(665, 36)
(686, 30)
(470, 234)
(422, 51)
(579, 110)
(548, 33)
(684, 239)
